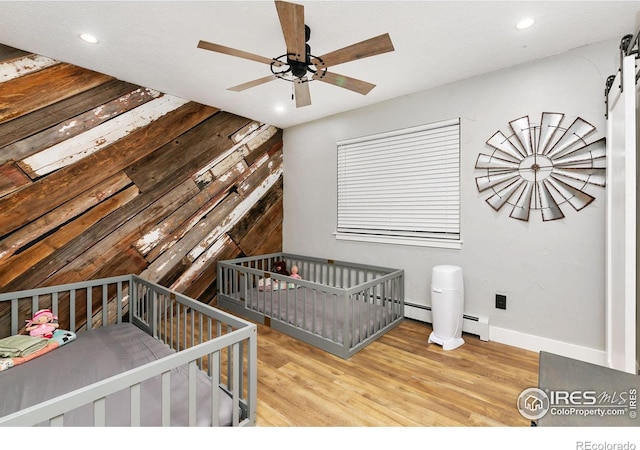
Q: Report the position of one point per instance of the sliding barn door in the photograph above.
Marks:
(621, 239)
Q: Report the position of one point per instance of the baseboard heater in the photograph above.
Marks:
(470, 323)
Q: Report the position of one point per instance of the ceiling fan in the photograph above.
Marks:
(298, 65)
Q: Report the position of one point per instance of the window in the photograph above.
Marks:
(401, 186)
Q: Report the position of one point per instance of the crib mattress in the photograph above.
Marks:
(96, 355)
(320, 314)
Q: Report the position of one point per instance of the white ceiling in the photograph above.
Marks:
(154, 44)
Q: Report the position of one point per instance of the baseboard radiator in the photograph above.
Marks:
(471, 324)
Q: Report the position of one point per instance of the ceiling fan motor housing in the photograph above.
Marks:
(299, 68)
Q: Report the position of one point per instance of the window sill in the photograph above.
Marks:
(401, 240)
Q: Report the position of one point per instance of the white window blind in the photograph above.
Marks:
(400, 185)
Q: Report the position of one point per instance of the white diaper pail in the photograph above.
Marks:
(447, 304)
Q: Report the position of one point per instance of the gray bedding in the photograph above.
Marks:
(98, 354)
(320, 313)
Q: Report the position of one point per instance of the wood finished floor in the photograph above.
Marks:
(399, 380)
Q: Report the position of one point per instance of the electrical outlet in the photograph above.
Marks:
(501, 301)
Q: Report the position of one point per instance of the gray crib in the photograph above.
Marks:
(144, 356)
(337, 306)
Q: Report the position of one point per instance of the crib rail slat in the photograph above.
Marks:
(14, 316)
(57, 421)
(166, 399)
(192, 393)
(136, 399)
(215, 393)
(89, 307)
(72, 310)
(105, 303)
(100, 412)
(235, 387)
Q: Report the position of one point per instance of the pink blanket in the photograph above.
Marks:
(60, 337)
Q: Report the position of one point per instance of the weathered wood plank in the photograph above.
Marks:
(37, 274)
(267, 166)
(246, 131)
(262, 143)
(44, 87)
(171, 273)
(231, 176)
(7, 53)
(203, 144)
(265, 237)
(259, 209)
(15, 266)
(129, 261)
(126, 262)
(62, 214)
(99, 253)
(203, 273)
(162, 241)
(218, 172)
(94, 139)
(11, 178)
(261, 182)
(49, 192)
(174, 227)
(250, 232)
(158, 240)
(271, 241)
(182, 219)
(22, 66)
(52, 137)
(47, 117)
(209, 172)
(210, 224)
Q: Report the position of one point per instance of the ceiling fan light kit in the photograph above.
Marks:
(298, 65)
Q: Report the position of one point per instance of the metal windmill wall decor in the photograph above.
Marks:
(541, 167)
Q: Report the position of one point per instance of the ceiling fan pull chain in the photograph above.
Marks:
(292, 92)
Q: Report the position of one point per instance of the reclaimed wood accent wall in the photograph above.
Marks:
(99, 177)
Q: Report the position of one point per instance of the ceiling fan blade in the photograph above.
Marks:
(292, 22)
(343, 81)
(302, 93)
(239, 53)
(250, 84)
(370, 47)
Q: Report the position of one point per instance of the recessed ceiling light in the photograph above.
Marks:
(525, 23)
(91, 39)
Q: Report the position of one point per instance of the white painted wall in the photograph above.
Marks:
(553, 273)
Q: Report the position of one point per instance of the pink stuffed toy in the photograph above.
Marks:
(42, 324)
(294, 273)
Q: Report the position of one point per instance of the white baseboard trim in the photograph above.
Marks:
(518, 339)
(470, 324)
(538, 344)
